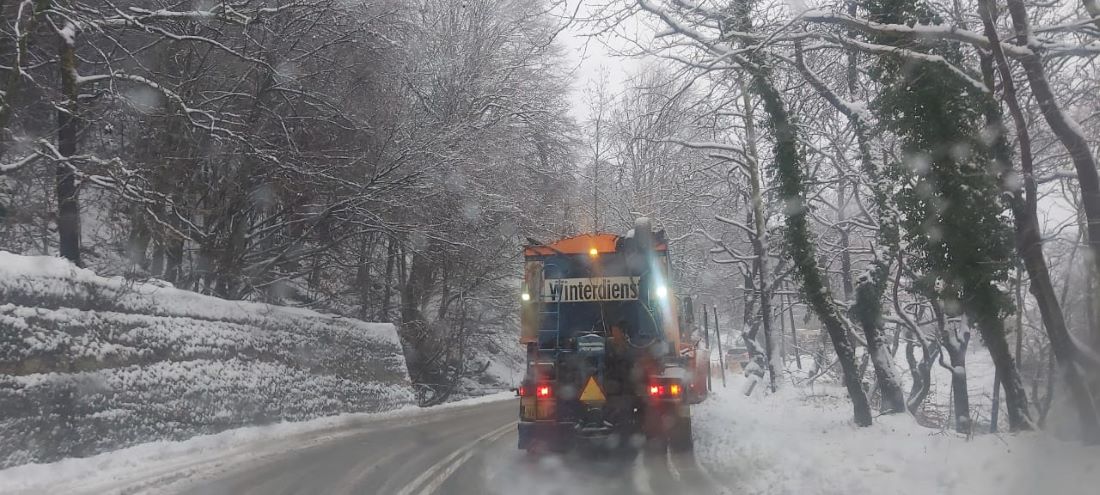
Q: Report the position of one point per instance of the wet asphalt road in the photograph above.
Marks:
(469, 450)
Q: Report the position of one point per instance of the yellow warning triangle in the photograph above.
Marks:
(592, 391)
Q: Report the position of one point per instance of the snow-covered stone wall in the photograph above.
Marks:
(89, 364)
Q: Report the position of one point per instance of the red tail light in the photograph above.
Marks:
(523, 391)
(663, 390)
(543, 391)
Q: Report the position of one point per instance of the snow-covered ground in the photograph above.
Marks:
(90, 364)
(799, 441)
(164, 461)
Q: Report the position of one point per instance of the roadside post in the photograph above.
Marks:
(718, 339)
(706, 339)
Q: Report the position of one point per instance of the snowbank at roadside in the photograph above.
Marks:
(90, 364)
(121, 469)
(802, 442)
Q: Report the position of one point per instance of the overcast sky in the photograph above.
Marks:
(587, 55)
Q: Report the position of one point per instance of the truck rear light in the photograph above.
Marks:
(523, 391)
(543, 391)
(664, 390)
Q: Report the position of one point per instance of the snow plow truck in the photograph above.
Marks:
(612, 361)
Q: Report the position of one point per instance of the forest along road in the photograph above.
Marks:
(466, 450)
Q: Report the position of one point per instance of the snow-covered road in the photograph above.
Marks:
(464, 451)
(460, 449)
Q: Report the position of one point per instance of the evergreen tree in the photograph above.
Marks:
(952, 214)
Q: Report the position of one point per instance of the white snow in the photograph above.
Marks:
(802, 441)
(119, 362)
(68, 33)
(119, 470)
(56, 278)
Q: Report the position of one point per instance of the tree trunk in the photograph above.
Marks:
(1090, 309)
(794, 330)
(993, 333)
(955, 348)
(921, 371)
(1028, 231)
(1048, 399)
(845, 255)
(68, 205)
(996, 409)
(173, 260)
(421, 351)
(759, 244)
(960, 397)
(789, 173)
(137, 246)
(387, 289)
(15, 76)
(445, 294)
(1020, 312)
(156, 265)
(930, 349)
(867, 310)
(748, 301)
(782, 314)
(756, 351)
(362, 273)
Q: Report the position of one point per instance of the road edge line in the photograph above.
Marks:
(434, 476)
(672, 466)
